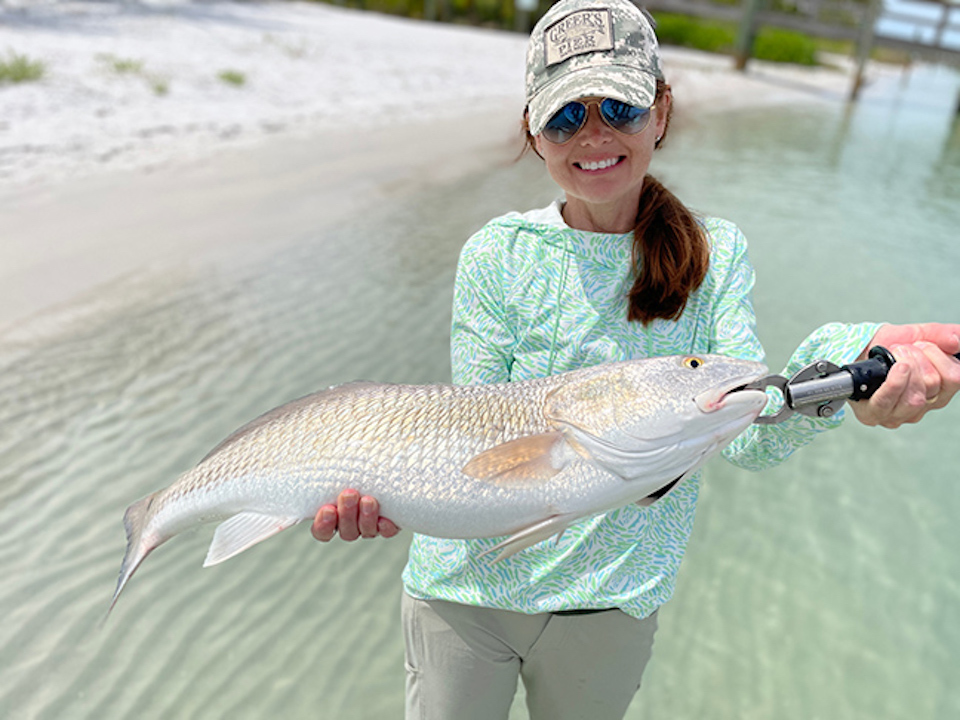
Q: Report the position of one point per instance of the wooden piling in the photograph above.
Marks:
(864, 45)
(747, 33)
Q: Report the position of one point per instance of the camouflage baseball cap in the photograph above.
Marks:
(590, 48)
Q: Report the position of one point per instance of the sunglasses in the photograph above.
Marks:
(621, 116)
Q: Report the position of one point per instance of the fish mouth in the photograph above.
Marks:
(734, 392)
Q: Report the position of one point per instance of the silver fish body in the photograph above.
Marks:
(522, 459)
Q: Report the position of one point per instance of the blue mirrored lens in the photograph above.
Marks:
(565, 123)
(626, 118)
(621, 116)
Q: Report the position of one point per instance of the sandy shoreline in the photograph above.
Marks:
(65, 239)
(101, 174)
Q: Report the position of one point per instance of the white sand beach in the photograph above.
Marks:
(165, 128)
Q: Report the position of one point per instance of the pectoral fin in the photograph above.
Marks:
(528, 460)
(531, 535)
(242, 531)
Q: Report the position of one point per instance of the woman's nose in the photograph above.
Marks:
(594, 129)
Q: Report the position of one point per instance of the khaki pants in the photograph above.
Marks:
(463, 662)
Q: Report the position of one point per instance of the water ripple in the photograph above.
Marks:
(836, 572)
(111, 398)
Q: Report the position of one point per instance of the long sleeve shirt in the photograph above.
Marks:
(534, 297)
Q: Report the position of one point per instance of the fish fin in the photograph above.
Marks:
(531, 535)
(242, 531)
(528, 460)
(134, 521)
(657, 494)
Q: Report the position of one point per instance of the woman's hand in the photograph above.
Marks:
(925, 377)
(353, 516)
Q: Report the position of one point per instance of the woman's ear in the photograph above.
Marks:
(664, 109)
(537, 139)
(530, 141)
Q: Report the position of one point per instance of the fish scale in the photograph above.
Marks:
(523, 460)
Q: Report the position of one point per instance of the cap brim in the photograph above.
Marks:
(626, 84)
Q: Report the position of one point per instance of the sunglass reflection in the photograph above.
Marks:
(621, 116)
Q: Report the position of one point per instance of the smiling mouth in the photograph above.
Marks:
(599, 164)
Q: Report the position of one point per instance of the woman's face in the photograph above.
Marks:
(601, 170)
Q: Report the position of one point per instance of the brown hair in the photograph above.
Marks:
(671, 254)
(670, 251)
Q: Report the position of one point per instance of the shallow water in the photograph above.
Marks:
(828, 587)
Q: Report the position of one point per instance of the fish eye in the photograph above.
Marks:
(693, 362)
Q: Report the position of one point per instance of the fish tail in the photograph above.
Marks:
(134, 521)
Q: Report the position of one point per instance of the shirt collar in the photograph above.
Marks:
(610, 249)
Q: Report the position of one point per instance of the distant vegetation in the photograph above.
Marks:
(785, 46)
(771, 44)
(687, 31)
(488, 13)
(19, 68)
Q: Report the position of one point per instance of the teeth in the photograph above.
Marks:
(600, 165)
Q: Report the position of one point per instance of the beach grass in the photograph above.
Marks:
(129, 66)
(18, 68)
(232, 77)
(296, 50)
(121, 66)
(159, 85)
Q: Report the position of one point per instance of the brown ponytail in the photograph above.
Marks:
(670, 250)
(670, 255)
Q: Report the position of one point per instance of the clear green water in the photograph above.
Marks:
(826, 588)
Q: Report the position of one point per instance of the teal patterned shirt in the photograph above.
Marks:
(534, 297)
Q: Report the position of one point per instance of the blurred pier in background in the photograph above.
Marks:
(914, 30)
(923, 30)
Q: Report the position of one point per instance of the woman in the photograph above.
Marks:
(618, 269)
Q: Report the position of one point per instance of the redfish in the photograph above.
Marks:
(522, 460)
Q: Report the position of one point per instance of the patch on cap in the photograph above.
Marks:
(590, 48)
(579, 32)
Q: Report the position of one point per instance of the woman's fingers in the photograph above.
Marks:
(924, 378)
(353, 517)
(325, 523)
